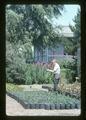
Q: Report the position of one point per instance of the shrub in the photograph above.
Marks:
(70, 69)
(37, 74)
(16, 63)
(67, 64)
(19, 72)
(63, 76)
(70, 75)
(15, 72)
(28, 74)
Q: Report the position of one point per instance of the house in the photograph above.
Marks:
(45, 55)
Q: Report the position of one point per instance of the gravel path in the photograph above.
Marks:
(13, 108)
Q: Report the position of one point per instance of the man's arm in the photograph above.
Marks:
(50, 70)
(56, 68)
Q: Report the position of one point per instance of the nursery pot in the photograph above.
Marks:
(52, 106)
(41, 106)
(77, 105)
(36, 106)
(47, 106)
(62, 106)
(72, 105)
(57, 106)
(67, 106)
(32, 106)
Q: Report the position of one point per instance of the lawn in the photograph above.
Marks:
(12, 87)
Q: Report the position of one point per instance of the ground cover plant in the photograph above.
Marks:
(44, 97)
(74, 88)
(40, 96)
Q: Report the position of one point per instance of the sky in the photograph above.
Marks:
(67, 15)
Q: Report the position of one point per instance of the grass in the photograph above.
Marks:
(12, 87)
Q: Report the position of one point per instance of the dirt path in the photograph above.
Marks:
(13, 108)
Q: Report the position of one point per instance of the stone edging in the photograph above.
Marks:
(46, 106)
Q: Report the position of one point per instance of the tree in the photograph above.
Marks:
(35, 21)
(76, 40)
(27, 25)
(77, 32)
(71, 44)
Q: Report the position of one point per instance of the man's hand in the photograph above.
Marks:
(50, 70)
(47, 69)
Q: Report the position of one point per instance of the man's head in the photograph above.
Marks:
(54, 61)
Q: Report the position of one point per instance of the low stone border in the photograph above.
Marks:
(46, 106)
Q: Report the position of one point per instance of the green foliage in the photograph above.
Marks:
(44, 97)
(30, 23)
(67, 76)
(28, 74)
(70, 75)
(69, 64)
(12, 24)
(15, 66)
(76, 42)
(36, 74)
(19, 72)
(15, 74)
(72, 43)
(63, 79)
(79, 63)
(69, 70)
(77, 31)
(11, 87)
(69, 45)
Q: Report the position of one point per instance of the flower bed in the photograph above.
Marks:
(44, 100)
(73, 90)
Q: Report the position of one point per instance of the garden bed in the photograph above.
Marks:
(44, 100)
(69, 90)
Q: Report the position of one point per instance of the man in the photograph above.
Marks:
(56, 71)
